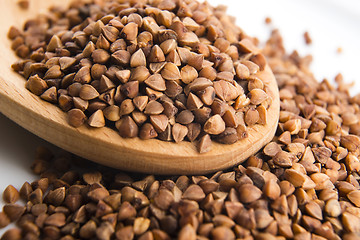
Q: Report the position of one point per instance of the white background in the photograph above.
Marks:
(331, 24)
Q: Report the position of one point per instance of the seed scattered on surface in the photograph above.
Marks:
(307, 38)
(156, 82)
(55, 42)
(130, 31)
(188, 74)
(11, 194)
(127, 127)
(83, 75)
(179, 132)
(228, 136)
(12, 234)
(214, 125)
(160, 122)
(257, 96)
(97, 119)
(147, 131)
(284, 159)
(138, 59)
(170, 72)
(76, 117)
(249, 193)
(353, 196)
(13, 211)
(50, 95)
(36, 85)
(185, 117)
(251, 117)
(88, 92)
(4, 220)
(121, 57)
(153, 108)
(205, 144)
(100, 56)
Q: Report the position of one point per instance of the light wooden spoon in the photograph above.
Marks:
(104, 145)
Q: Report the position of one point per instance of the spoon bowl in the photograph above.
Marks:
(105, 146)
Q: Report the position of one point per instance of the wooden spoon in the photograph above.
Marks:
(104, 145)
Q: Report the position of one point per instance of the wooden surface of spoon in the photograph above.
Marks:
(105, 146)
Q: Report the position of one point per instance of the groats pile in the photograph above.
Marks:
(303, 185)
(171, 70)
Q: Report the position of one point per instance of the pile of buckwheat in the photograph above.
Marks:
(303, 185)
(172, 70)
